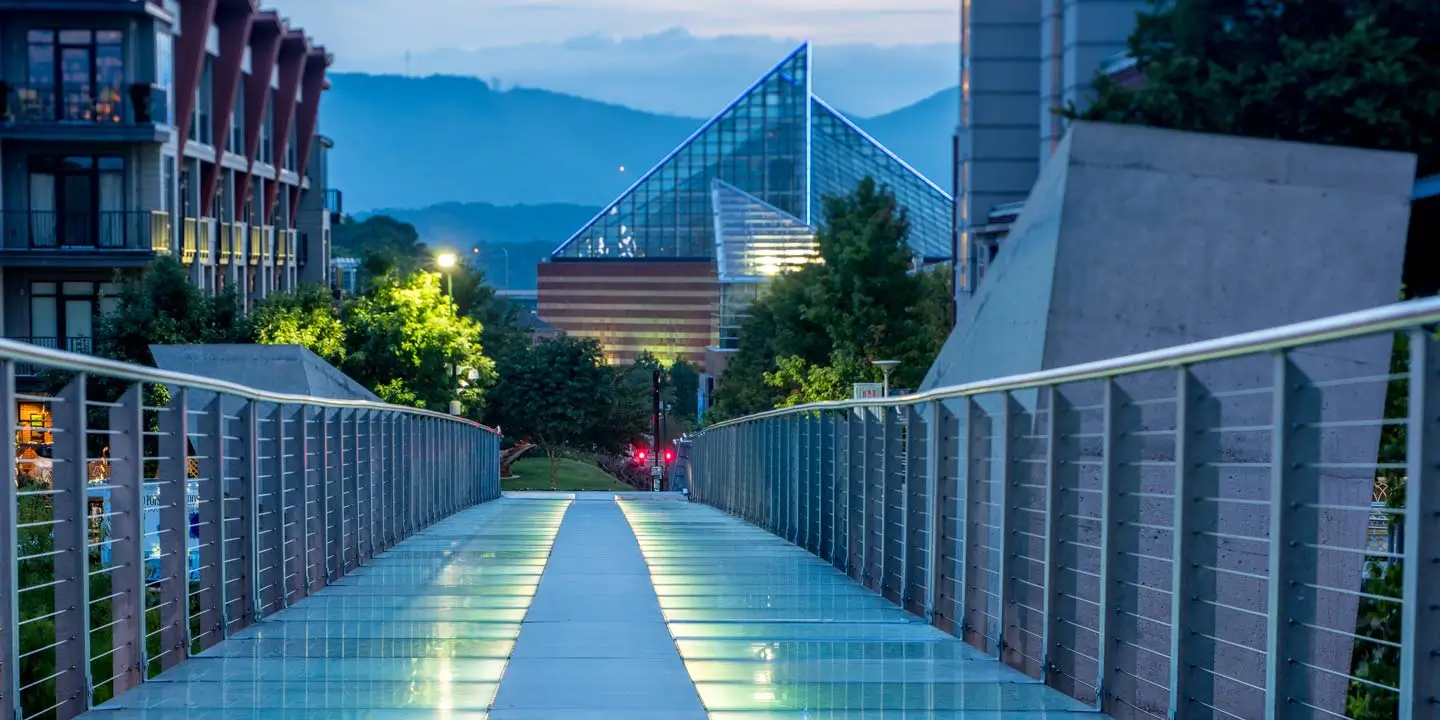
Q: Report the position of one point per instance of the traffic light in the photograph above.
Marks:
(641, 455)
(669, 456)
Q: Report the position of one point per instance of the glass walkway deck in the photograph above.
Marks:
(571, 607)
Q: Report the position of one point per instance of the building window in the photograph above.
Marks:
(165, 71)
(267, 130)
(77, 201)
(63, 314)
(74, 75)
(237, 125)
(201, 122)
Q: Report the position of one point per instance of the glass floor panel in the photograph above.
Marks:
(769, 631)
(423, 631)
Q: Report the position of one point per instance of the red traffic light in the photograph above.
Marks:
(669, 455)
(640, 455)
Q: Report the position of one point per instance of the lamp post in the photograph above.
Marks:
(887, 367)
(447, 261)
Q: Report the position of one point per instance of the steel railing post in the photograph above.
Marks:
(295, 496)
(213, 607)
(9, 551)
(1115, 412)
(1054, 408)
(70, 480)
(174, 510)
(248, 443)
(1420, 618)
(127, 529)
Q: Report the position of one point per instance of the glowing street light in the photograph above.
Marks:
(447, 261)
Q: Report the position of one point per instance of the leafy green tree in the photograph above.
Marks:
(162, 307)
(684, 384)
(404, 341)
(305, 317)
(797, 382)
(1363, 74)
(384, 245)
(560, 394)
(829, 321)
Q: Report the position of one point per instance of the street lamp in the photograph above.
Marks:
(447, 261)
(887, 367)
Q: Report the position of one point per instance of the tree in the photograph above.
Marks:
(305, 317)
(684, 382)
(558, 394)
(162, 307)
(830, 320)
(404, 341)
(1363, 74)
(798, 382)
(384, 245)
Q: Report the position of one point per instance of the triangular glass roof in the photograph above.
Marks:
(757, 144)
(754, 240)
(779, 145)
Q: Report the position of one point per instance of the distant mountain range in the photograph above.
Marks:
(514, 173)
(404, 142)
(677, 73)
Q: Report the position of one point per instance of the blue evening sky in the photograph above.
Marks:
(362, 29)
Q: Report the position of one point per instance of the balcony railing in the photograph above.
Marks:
(134, 105)
(231, 237)
(82, 345)
(257, 243)
(108, 230)
(190, 240)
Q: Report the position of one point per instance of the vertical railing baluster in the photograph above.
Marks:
(313, 482)
(1109, 477)
(934, 420)
(294, 474)
(174, 511)
(127, 528)
(213, 605)
(332, 427)
(70, 480)
(9, 544)
(1420, 612)
(969, 439)
(1002, 480)
(1054, 494)
(250, 488)
(270, 510)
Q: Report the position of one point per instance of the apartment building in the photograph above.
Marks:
(131, 129)
(1019, 61)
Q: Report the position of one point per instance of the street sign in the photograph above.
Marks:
(655, 471)
(868, 391)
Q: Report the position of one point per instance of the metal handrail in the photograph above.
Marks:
(1386, 318)
(24, 353)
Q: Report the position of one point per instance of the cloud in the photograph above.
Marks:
(361, 29)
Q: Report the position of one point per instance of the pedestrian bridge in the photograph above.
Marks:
(592, 606)
(1243, 528)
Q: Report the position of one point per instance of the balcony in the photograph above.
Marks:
(189, 240)
(302, 249)
(46, 235)
(81, 345)
(257, 243)
(136, 113)
(231, 241)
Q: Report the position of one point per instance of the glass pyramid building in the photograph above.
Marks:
(746, 188)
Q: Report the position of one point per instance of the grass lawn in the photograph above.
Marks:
(570, 476)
